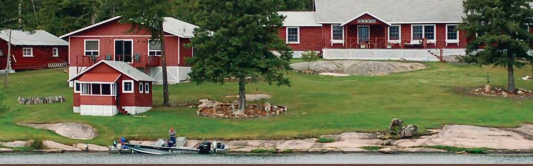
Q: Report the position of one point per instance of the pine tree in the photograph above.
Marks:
(236, 39)
(149, 15)
(499, 29)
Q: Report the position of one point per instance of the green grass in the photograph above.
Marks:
(456, 149)
(318, 105)
(325, 140)
(372, 148)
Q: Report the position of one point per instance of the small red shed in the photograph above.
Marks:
(111, 87)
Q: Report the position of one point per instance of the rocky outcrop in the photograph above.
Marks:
(359, 68)
(70, 130)
(5, 150)
(91, 147)
(476, 137)
(54, 145)
(16, 144)
(395, 126)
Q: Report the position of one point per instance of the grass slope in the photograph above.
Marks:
(317, 105)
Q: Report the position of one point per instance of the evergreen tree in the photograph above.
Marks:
(499, 29)
(236, 39)
(149, 15)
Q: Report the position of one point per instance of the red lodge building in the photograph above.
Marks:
(37, 50)
(113, 41)
(419, 30)
(111, 87)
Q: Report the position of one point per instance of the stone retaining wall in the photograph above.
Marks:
(41, 100)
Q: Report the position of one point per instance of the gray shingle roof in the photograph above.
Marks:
(171, 25)
(122, 67)
(297, 18)
(391, 11)
(39, 38)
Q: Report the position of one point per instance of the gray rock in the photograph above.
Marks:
(408, 132)
(387, 142)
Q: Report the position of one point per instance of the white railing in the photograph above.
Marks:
(420, 55)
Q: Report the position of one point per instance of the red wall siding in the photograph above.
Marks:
(185, 52)
(111, 31)
(42, 55)
(310, 39)
(126, 99)
(326, 32)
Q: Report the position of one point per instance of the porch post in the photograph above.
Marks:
(346, 35)
(386, 37)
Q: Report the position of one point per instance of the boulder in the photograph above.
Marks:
(206, 103)
(69, 130)
(408, 131)
(54, 145)
(387, 142)
(268, 106)
(91, 147)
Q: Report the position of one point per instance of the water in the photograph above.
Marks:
(366, 158)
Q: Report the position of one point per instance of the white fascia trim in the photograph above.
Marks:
(109, 20)
(428, 22)
(104, 61)
(347, 22)
(89, 27)
(399, 33)
(287, 35)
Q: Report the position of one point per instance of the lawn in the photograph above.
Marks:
(317, 105)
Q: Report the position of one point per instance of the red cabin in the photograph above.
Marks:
(112, 40)
(38, 50)
(366, 29)
(111, 87)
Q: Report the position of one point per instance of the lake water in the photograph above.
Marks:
(366, 158)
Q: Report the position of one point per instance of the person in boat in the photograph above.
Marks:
(172, 137)
(123, 141)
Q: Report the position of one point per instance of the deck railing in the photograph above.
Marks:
(420, 55)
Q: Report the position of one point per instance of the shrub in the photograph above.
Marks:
(309, 56)
(325, 140)
(37, 141)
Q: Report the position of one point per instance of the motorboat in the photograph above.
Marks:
(161, 147)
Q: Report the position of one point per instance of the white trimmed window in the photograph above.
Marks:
(95, 89)
(77, 87)
(420, 32)
(127, 86)
(27, 52)
(92, 47)
(293, 35)
(154, 48)
(452, 33)
(55, 52)
(141, 88)
(337, 33)
(395, 34)
(146, 88)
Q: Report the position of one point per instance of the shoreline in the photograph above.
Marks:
(454, 139)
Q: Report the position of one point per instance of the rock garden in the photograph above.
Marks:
(356, 68)
(229, 110)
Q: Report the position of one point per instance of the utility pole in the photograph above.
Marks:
(8, 66)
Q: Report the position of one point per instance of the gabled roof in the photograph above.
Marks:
(121, 67)
(171, 25)
(38, 38)
(365, 13)
(393, 11)
(300, 19)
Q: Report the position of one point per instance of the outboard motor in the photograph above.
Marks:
(204, 148)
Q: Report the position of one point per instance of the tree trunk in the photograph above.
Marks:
(510, 77)
(242, 94)
(166, 100)
(20, 13)
(8, 65)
